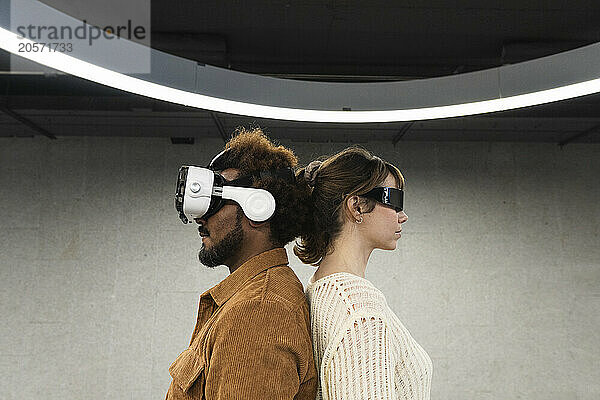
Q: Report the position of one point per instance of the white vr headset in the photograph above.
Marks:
(201, 192)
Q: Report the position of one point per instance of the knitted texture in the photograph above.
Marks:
(361, 349)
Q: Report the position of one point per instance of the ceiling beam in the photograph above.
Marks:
(27, 122)
(587, 132)
(219, 125)
(403, 131)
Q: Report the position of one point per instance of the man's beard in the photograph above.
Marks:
(226, 248)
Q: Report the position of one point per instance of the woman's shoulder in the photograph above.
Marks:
(356, 294)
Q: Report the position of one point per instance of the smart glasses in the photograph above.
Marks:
(389, 196)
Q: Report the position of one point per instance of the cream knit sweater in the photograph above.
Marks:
(362, 350)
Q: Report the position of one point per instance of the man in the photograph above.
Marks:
(252, 337)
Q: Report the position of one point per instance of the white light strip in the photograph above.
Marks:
(9, 41)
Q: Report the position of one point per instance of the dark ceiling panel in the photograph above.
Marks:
(412, 39)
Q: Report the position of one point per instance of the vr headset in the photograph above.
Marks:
(201, 192)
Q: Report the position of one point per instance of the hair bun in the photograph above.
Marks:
(310, 172)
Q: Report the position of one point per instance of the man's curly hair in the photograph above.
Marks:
(251, 151)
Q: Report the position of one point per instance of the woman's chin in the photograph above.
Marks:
(389, 246)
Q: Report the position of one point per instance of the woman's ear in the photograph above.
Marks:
(352, 208)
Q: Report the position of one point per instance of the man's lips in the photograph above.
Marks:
(203, 233)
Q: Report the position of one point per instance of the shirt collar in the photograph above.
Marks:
(248, 270)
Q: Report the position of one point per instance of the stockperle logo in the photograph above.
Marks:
(112, 33)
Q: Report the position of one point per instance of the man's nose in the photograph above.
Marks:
(402, 217)
(200, 221)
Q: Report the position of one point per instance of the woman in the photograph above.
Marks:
(361, 349)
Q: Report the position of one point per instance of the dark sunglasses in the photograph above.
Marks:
(388, 196)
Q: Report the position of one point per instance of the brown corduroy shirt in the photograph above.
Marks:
(252, 338)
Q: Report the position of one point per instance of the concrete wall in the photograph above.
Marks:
(497, 275)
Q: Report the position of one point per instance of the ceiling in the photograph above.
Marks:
(327, 41)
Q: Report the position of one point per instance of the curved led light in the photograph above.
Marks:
(10, 41)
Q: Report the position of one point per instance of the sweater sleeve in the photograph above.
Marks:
(361, 367)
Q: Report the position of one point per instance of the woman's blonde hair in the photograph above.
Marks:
(352, 172)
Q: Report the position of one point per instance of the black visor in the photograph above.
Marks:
(388, 196)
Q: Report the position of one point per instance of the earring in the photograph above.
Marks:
(359, 221)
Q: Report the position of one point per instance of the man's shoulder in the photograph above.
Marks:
(279, 286)
(274, 297)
